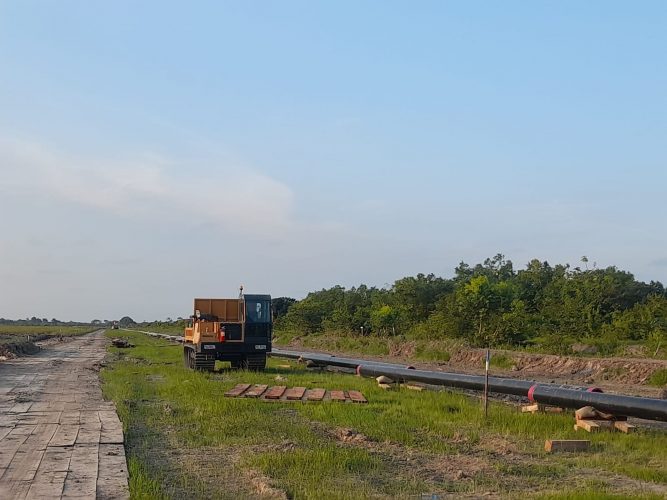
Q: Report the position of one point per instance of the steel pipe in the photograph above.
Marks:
(550, 394)
(330, 359)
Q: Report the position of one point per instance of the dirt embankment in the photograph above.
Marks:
(614, 373)
(587, 370)
(13, 346)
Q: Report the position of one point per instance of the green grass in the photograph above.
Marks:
(19, 339)
(185, 439)
(597, 494)
(658, 378)
(373, 346)
(22, 330)
(502, 361)
(369, 345)
(431, 352)
(175, 329)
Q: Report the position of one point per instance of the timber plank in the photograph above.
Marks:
(112, 428)
(315, 394)
(295, 393)
(77, 486)
(16, 490)
(237, 390)
(552, 445)
(357, 397)
(70, 417)
(337, 395)
(4, 431)
(10, 445)
(587, 425)
(65, 435)
(24, 465)
(112, 435)
(55, 459)
(89, 417)
(624, 427)
(89, 433)
(275, 392)
(41, 436)
(255, 391)
(84, 460)
(112, 476)
(20, 407)
(47, 485)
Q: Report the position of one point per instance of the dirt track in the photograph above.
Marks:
(58, 437)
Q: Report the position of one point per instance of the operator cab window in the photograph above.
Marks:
(258, 311)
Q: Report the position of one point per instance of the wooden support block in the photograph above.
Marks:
(295, 393)
(337, 395)
(237, 390)
(535, 408)
(587, 425)
(624, 427)
(413, 387)
(595, 425)
(607, 425)
(552, 445)
(275, 392)
(530, 408)
(357, 397)
(315, 394)
(553, 409)
(255, 391)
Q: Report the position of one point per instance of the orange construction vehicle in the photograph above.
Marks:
(235, 330)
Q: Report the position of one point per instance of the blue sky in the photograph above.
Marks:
(151, 152)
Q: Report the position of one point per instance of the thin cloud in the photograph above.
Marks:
(232, 198)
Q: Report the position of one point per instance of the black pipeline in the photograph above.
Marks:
(549, 394)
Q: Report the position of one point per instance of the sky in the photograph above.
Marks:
(152, 152)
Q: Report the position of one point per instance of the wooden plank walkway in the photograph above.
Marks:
(282, 393)
(58, 437)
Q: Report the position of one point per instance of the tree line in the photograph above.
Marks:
(493, 304)
(35, 321)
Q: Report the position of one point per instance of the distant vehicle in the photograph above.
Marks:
(234, 330)
(114, 325)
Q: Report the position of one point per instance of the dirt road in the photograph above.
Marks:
(58, 437)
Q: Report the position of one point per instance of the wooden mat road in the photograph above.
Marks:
(58, 437)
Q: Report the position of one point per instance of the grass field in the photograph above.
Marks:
(184, 439)
(19, 339)
(422, 350)
(21, 330)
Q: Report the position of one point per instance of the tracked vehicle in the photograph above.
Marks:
(235, 330)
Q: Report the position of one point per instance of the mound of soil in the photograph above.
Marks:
(626, 370)
(12, 347)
